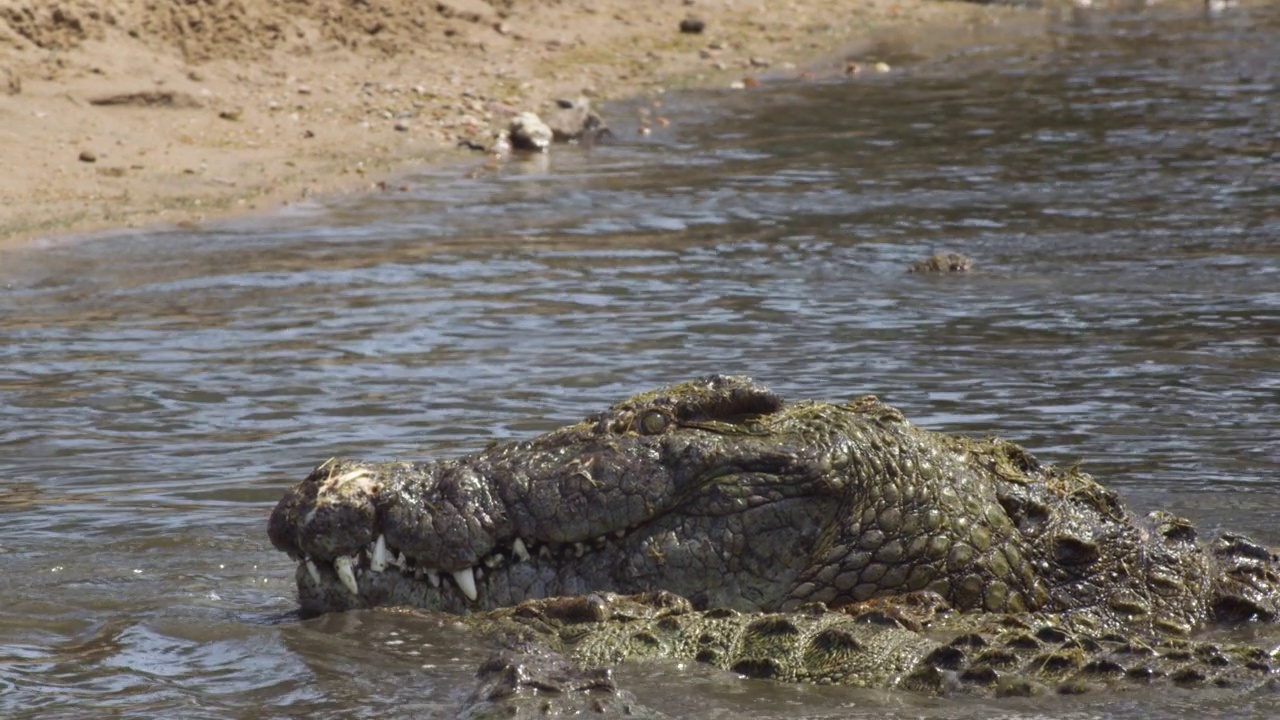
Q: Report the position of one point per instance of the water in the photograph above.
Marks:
(1118, 190)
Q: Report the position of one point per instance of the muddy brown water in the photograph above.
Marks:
(1119, 194)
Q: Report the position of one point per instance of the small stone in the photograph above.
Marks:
(88, 156)
(574, 121)
(401, 126)
(232, 114)
(692, 25)
(882, 67)
(759, 62)
(528, 132)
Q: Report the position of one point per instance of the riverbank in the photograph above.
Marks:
(130, 113)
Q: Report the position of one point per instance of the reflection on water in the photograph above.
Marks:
(1117, 193)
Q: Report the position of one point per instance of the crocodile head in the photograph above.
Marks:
(718, 491)
(713, 489)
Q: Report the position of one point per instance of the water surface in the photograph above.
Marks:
(1119, 193)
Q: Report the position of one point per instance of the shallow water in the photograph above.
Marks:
(1119, 193)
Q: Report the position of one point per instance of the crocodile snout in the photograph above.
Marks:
(328, 515)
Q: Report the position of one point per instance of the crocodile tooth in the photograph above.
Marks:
(519, 550)
(313, 571)
(346, 574)
(600, 541)
(479, 573)
(544, 551)
(466, 580)
(620, 534)
(434, 577)
(579, 549)
(399, 562)
(378, 558)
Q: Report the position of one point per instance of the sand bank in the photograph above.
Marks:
(128, 113)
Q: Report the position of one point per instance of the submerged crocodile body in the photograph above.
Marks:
(913, 642)
(718, 491)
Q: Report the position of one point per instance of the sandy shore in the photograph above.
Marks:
(127, 113)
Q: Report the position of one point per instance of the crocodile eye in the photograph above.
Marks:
(653, 422)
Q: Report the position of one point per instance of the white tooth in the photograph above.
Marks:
(479, 573)
(491, 561)
(343, 566)
(579, 549)
(519, 550)
(434, 577)
(313, 571)
(378, 558)
(466, 580)
(544, 551)
(600, 541)
(402, 561)
(619, 534)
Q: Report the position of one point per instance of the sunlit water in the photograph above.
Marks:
(1119, 194)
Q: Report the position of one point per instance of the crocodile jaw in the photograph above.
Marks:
(380, 576)
(728, 548)
(331, 523)
(685, 489)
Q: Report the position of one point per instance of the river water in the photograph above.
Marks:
(1118, 190)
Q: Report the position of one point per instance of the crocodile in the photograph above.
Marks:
(719, 491)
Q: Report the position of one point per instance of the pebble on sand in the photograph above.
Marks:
(692, 25)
